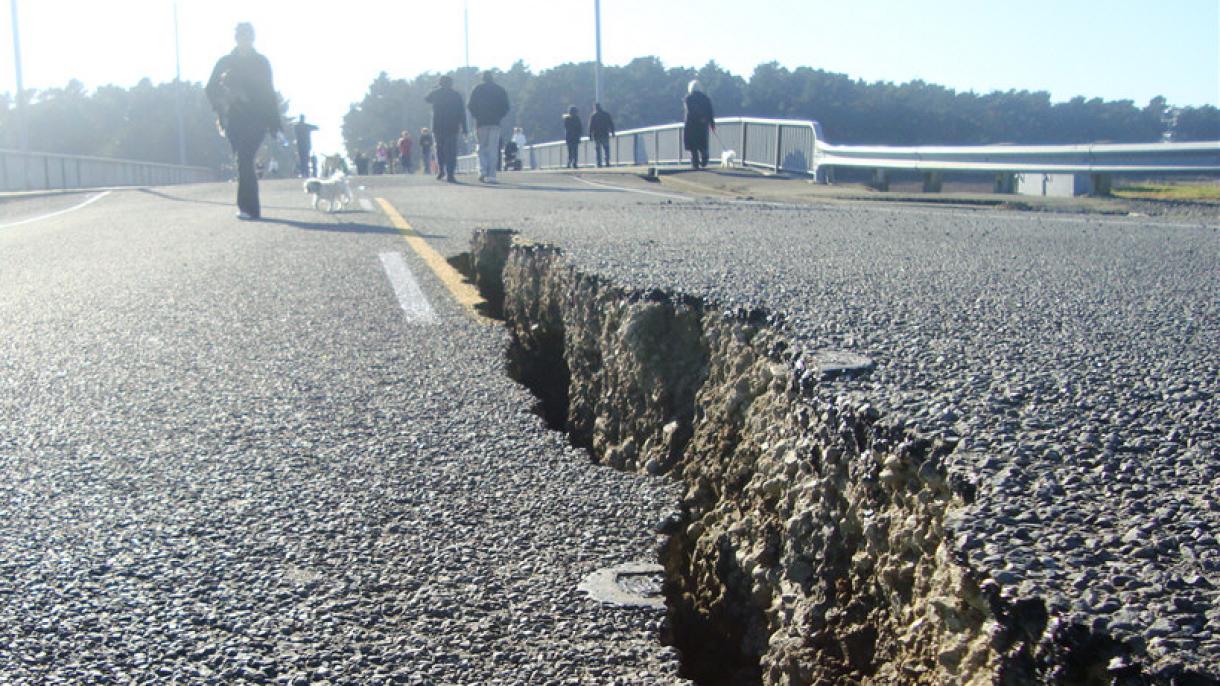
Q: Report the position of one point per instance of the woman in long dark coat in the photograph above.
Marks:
(699, 119)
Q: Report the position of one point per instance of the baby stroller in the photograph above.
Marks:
(511, 161)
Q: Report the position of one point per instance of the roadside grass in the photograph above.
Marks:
(1200, 190)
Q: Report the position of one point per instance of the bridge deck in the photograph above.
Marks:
(230, 449)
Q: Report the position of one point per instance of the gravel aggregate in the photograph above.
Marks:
(1075, 357)
(227, 458)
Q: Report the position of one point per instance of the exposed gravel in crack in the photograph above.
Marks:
(1075, 357)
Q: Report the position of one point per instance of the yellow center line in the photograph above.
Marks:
(466, 294)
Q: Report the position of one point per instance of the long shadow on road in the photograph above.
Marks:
(505, 186)
(340, 226)
(343, 227)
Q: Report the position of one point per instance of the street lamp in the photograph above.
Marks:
(597, 68)
(466, 74)
(23, 142)
(178, 89)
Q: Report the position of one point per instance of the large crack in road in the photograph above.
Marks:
(816, 541)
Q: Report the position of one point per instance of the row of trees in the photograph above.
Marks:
(644, 92)
(141, 122)
(138, 123)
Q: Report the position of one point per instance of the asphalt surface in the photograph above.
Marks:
(1074, 355)
(227, 455)
(226, 452)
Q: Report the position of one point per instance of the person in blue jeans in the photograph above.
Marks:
(488, 104)
(601, 128)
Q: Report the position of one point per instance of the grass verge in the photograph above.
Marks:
(1195, 190)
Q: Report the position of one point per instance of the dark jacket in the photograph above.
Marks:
(448, 114)
(302, 131)
(572, 128)
(601, 126)
(699, 117)
(488, 104)
(240, 90)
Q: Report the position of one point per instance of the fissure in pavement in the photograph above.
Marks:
(812, 544)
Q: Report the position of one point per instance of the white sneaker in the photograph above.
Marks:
(246, 217)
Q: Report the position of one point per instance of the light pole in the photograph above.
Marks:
(178, 89)
(23, 142)
(597, 67)
(466, 74)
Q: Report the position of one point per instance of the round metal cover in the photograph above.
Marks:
(839, 362)
(635, 584)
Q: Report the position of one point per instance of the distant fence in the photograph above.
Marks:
(35, 171)
(798, 147)
(783, 144)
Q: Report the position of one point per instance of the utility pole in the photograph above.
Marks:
(466, 74)
(23, 142)
(178, 89)
(597, 68)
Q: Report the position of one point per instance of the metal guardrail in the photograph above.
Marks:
(798, 147)
(35, 171)
(1097, 158)
(776, 144)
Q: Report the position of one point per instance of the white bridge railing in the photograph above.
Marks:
(798, 147)
(35, 171)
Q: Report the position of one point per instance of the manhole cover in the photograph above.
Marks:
(838, 362)
(635, 584)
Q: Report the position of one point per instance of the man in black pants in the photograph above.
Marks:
(246, 106)
(302, 132)
(601, 128)
(448, 117)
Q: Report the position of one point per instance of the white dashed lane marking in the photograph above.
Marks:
(412, 299)
(39, 218)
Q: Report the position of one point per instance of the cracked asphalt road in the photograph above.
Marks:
(226, 455)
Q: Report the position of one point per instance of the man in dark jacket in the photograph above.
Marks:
(699, 118)
(448, 119)
(488, 104)
(246, 106)
(302, 131)
(601, 128)
(571, 134)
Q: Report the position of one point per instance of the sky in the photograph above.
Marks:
(325, 55)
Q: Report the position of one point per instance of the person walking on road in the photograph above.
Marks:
(448, 119)
(301, 131)
(425, 150)
(519, 139)
(601, 128)
(405, 143)
(247, 109)
(381, 159)
(699, 119)
(572, 131)
(488, 105)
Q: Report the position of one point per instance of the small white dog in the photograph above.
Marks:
(334, 193)
(728, 159)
